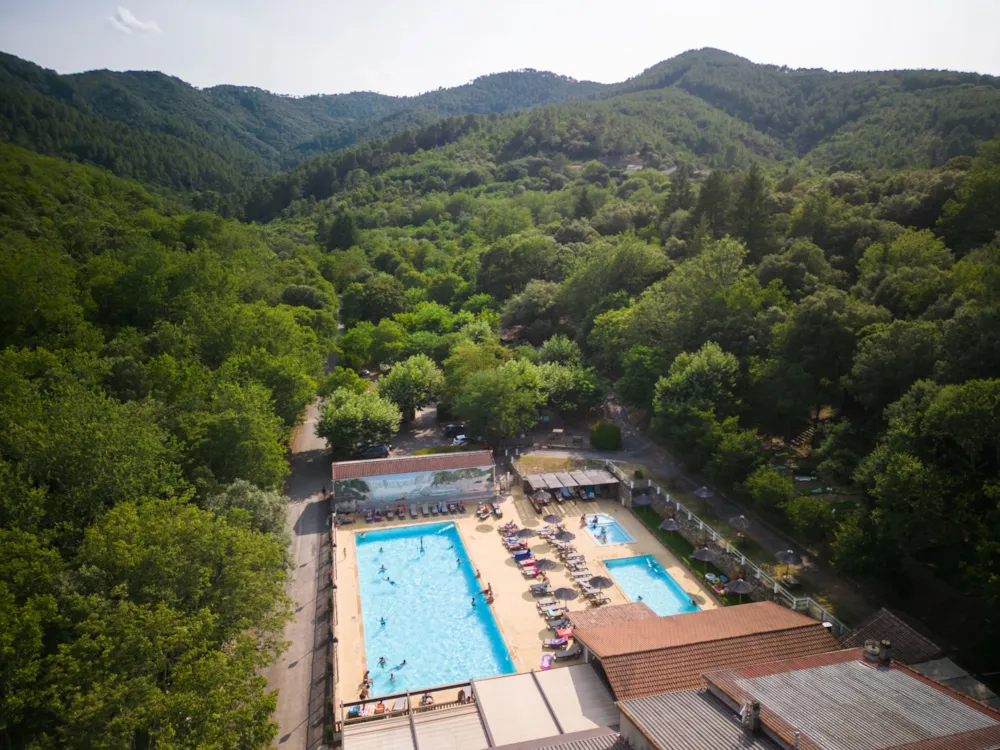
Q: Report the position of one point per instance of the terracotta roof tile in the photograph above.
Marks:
(409, 464)
(680, 668)
(613, 614)
(693, 627)
(908, 645)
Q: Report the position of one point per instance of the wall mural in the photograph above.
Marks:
(420, 486)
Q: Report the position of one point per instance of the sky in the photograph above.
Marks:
(406, 47)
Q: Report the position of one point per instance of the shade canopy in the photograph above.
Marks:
(739, 586)
(789, 557)
(526, 533)
(541, 496)
(566, 479)
(564, 594)
(600, 582)
(740, 523)
(705, 554)
(552, 481)
(552, 518)
(703, 492)
(565, 536)
(642, 501)
(669, 525)
(543, 563)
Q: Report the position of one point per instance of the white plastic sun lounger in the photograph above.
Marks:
(413, 514)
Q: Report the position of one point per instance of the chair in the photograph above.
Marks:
(413, 510)
(555, 642)
(425, 509)
(434, 510)
(571, 653)
(545, 603)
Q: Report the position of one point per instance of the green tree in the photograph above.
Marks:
(341, 377)
(714, 202)
(642, 367)
(349, 419)
(571, 389)
(412, 384)
(268, 509)
(502, 402)
(751, 215)
(681, 194)
(561, 350)
(341, 234)
(769, 489)
(737, 454)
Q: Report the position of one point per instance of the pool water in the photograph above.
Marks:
(643, 579)
(429, 618)
(607, 530)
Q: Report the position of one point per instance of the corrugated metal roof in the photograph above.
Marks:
(611, 614)
(908, 645)
(382, 734)
(838, 701)
(693, 627)
(680, 668)
(514, 709)
(598, 739)
(378, 467)
(453, 729)
(552, 481)
(578, 697)
(566, 479)
(599, 476)
(581, 478)
(690, 720)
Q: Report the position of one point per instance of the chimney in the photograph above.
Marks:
(753, 722)
(884, 653)
(798, 738)
(872, 651)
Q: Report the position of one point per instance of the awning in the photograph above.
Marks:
(551, 481)
(535, 482)
(566, 479)
(600, 476)
(581, 478)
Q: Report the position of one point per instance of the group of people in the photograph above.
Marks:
(487, 594)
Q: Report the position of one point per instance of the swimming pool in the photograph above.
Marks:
(429, 620)
(607, 530)
(643, 579)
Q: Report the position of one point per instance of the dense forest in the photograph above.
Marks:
(707, 107)
(737, 252)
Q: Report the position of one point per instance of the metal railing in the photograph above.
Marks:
(781, 594)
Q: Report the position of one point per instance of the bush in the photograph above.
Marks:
(606, 436)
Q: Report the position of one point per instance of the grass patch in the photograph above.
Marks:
(681, 547)
(547, 464)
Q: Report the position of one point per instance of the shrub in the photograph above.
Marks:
(606, 436)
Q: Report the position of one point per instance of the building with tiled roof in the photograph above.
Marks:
(845, 701)
(665, 654)
(413, 480)
(614, 614)
(908, 645)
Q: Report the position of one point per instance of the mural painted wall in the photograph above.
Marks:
(415, 487)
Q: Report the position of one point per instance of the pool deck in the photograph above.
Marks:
(514, 606)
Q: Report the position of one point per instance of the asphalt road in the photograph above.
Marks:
(299, 675)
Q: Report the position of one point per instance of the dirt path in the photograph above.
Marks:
(299, 676)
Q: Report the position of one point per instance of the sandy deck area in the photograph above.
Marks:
(514, 607)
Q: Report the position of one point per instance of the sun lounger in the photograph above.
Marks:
(531, 572)
(581, 574)
(452, 508)
(544, 603)
(426, 509)
(368, 516)
(572, 652)
(553, 612)
(368, 709)
(388, 513)
(434, 510)
(559, 623)
(555, 642)
(497, 512)
(527, 562)
(442, 507)
(543, 591)
(599, 598)
(413, 510)
(461, 506)
(399, 705)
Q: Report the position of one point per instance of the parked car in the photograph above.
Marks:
(374, 451)
(460, 440)
(454, 430)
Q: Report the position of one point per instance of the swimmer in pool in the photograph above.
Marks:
(421, 544)
(392, 677)
(380, 550)
(381, 621)
(473, 601)
(382, 662)
(381, 569)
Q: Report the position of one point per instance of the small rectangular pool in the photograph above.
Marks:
(427, 608)
(644, 580)
(606, 530)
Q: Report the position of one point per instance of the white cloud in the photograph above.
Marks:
(126, 23)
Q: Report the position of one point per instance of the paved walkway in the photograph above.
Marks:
(299, 676)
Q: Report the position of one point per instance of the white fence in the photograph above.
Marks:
(781, 594)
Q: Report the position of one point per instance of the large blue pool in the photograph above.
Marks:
(643, 579)
(429, 618)
(606, 530)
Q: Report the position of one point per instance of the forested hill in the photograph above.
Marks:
(155, 127)
(707, 106)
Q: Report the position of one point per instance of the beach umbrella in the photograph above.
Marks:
(552, 518)
(642, 501)
(543, 564)
(789, 557)
(740, 523)
(526, 533)
(669, 525)
(600, 582)
(703, 492)
(565, 594)
(541, 496)
(565, 536)
(740, 587)
(706, 555)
